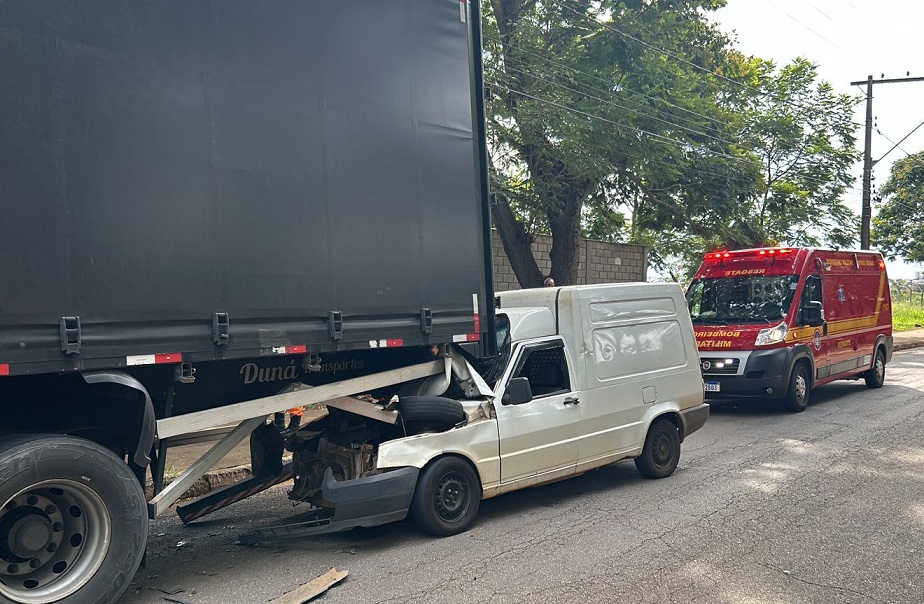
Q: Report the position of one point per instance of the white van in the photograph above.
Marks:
(587, 375)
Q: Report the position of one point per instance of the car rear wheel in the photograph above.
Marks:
(661, 452)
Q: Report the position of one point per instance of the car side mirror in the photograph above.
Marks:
(811, 314)
(518, 392)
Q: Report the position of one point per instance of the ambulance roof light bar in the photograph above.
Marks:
(760, 252)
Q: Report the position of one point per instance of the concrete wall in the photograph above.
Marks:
(600, 262)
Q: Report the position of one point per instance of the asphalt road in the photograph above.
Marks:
(765, 507)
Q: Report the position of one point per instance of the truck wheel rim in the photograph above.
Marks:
(54, 536)
(451, 497)
(880, 368)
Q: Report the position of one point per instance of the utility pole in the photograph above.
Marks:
(868, 162)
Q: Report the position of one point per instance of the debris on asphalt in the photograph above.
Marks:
(313, 588)
(171, 591)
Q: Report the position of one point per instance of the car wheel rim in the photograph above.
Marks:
(54, 536)
(451, 497)
(880, 369)
(800, 387)
(661, 450)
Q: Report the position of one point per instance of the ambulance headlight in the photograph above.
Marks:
(772, 335)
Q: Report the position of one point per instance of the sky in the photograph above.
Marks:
(848, 40)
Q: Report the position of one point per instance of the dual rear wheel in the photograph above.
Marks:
(73, 521)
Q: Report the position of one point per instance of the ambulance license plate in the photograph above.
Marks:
(712, 386)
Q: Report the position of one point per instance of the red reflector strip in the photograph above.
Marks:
(4, 369)
(290, 349)
(154, 359)
(395, 343)
(466, 337)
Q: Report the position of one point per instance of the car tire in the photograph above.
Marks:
(875, 377)
(81, 518)
(661, 452)
(797, 395)
(447, 497)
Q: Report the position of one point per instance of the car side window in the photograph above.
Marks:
(546, 368)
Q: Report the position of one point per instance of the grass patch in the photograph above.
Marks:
(906, 315)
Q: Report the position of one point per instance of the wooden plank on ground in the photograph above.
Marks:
(313, 588)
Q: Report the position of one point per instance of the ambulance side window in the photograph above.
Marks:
(811, 296)
(812, 290)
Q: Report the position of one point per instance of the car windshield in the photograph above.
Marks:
(752, 298)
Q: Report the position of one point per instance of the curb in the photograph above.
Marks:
(906, 345)
(211, 481)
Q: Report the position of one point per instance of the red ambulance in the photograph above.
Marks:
(776, 322)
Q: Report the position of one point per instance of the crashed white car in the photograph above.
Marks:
(586, 376)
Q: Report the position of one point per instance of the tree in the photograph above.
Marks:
(804, 137)
(898, 228)
(637, 121)
(589, 112)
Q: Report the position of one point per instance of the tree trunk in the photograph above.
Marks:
(517, 245)
(566, 239)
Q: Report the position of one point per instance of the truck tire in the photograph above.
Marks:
(797, 395)
(447, 497)
(661, 452)
(875, 377)
(431, 410)
(73, 521)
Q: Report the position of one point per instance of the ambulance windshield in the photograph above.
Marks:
(752, 298)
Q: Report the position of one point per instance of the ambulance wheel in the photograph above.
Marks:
(876, 376)
(661, 453)
(797, 397)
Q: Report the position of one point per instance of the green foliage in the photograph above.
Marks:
(636, 121)
(804, 138)
(906, 314)
(898, 228)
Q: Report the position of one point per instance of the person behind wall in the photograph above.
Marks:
(549, 282)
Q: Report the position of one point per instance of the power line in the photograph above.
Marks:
(607, 82)
(664, 140)
(681, 59)
(621, 106)
(652, 135)
(895, 145)
(803, 24)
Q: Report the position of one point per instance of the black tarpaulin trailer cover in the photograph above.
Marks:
(163, 163)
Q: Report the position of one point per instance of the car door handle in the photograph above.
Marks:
(572, 400)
